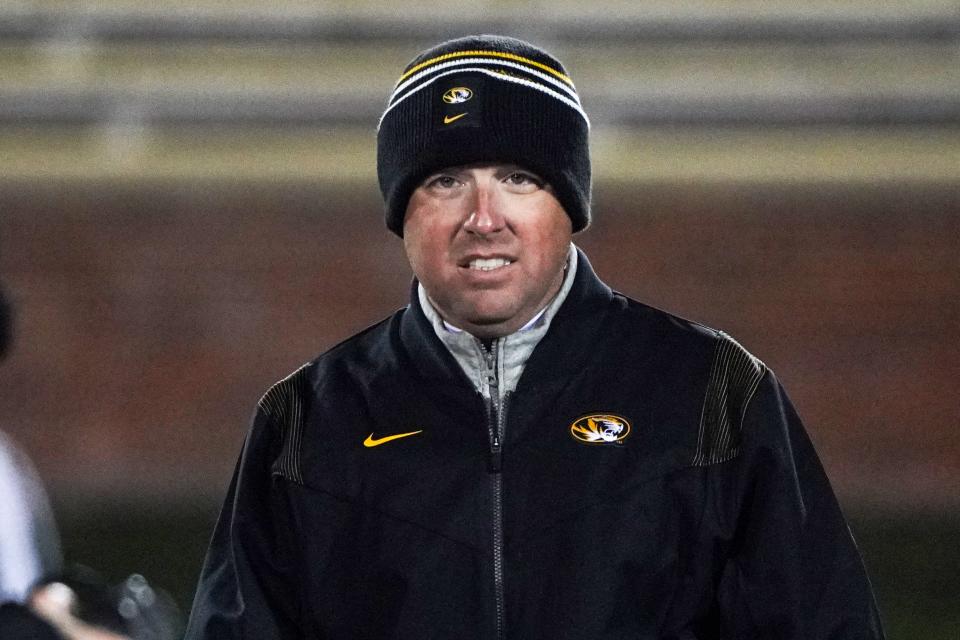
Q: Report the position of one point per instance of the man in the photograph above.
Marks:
(522, 452)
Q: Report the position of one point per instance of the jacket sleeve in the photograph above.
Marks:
(793, 569)
(247, 586)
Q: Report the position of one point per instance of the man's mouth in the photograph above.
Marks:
(488, 264)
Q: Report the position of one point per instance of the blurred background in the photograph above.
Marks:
(189, 211)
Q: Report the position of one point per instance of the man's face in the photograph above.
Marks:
(488, 243)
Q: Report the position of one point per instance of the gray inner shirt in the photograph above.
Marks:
(512, 351)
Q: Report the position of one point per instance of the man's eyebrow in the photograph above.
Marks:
(440, 172)
(506, 170)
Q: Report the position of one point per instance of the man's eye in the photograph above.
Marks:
(443, 182)
(520, 178)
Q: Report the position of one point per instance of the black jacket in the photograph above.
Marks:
(710, 517)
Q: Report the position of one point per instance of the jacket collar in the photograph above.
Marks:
(560, 351)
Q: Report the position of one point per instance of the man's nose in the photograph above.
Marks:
(485, 217)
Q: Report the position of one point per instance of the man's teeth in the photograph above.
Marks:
(488, 264)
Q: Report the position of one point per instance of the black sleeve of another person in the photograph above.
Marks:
(16, 621)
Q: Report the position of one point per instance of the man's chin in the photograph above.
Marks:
(492, 325)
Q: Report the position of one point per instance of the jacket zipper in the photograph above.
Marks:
(496, 420)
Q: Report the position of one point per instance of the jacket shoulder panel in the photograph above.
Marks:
(734, 377)
(283, 406)
(287, 406)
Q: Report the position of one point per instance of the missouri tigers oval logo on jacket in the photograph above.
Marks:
(600, 428)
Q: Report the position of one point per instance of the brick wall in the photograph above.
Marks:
(151, 318)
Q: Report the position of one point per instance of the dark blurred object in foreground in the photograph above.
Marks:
(82, 606)
(6, 323)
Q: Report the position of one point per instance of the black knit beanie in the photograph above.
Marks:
(484, 99)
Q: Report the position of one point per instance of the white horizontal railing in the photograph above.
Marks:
(644, 84)
(735, 20)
